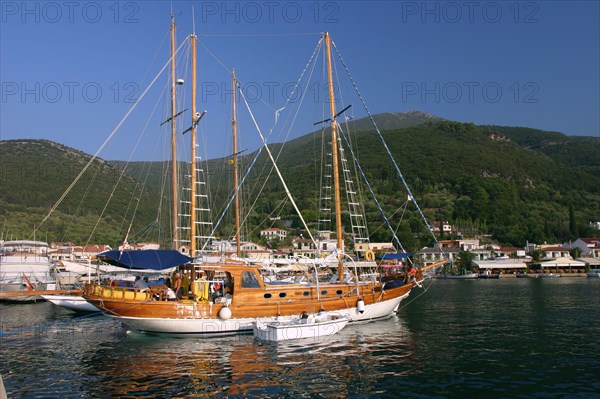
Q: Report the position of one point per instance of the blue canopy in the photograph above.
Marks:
(155, 259)
(394, 256)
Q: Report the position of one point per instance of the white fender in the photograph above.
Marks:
(360, 306)
(225, 313)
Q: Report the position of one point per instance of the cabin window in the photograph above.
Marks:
(249, 280)
(324, 292)
(267, 296)
(282, 295)
(306, 293)
(339, 292)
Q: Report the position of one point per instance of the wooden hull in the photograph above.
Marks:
(192, 317)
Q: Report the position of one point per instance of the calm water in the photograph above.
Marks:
(517, 338)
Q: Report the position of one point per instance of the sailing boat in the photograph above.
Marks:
(230, 297)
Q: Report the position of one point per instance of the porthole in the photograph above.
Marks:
(267, 296)
(306, 293)
(339, 292)
(282, 295)
(324, 292)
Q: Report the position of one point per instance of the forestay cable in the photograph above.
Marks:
(285, 187)
(110, 136)
(384, 143)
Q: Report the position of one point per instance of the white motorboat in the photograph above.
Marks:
(304, 326)
(466, 276)
(73, 302)
(594, 273)
(24, 267)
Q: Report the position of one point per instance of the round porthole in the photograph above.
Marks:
(267, 296)
(282, 295)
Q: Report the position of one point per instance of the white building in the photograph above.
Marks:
(274, 233)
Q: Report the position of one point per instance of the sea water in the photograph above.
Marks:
(507, 338)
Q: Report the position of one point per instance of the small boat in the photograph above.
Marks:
(548, 275)
(72, 302)
(304, 326)
(594, 273)
(488, 275)
(466, 276)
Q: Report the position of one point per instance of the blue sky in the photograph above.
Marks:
(70, 70)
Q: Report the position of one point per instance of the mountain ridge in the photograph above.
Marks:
(512, 182)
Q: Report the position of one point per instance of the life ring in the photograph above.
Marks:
(369, 255)
(217, 286)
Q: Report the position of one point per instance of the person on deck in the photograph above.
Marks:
(140, 284)
(177, 285)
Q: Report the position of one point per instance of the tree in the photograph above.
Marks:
(537, 255)
(465, 260)
(572, 222)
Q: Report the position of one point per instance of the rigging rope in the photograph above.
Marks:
(296, 86)
(110, 136)
(285, 187)
(277, 112)
(387, 149)
(360, 169)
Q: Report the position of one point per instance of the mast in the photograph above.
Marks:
(235, 162)
(334, 152)
(193, 163)
(173, 136)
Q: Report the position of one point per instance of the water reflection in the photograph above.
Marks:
(151, 366)
(524, 338)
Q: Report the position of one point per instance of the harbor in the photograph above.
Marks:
(265, 209)
(495, 339)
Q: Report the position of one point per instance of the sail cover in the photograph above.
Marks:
(394, 256)
(155, 259)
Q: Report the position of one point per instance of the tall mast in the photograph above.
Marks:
(173, 136)
(193, 164)
(334, 153)
(235, 162)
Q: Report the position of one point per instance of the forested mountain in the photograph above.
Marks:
(515, 184)
(35, 174)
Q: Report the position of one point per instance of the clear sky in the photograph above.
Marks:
(70, 70)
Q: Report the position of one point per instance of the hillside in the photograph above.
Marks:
(515, 184)
(35, 173)
(473, 176)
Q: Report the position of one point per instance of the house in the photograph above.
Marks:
(58, 254)
(438, 227)
(590, 247)
(89, 251)
(304, 247)
(510, 252)
(554, 252)
(64, 251)
(464, 244)
(429, 256)
(255, 251)
(249, 249)
(140, 246)
(274, 233)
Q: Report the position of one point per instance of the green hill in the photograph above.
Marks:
(35, 173)
(514, 184)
